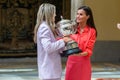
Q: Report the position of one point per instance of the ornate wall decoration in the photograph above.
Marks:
(17, 20)
(18, 3)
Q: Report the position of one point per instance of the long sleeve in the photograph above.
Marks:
(48, 41)
(91, 41)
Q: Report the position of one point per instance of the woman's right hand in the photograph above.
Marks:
(67, 39)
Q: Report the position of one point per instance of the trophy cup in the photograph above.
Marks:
(67, 27)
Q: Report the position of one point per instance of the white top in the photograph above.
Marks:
(48, 53)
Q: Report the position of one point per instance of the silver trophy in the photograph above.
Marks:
(67, 27)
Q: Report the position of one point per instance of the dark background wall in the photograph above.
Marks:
(106, 51)
(17, 21)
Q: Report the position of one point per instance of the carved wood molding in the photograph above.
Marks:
(17, 20)
(17, 3)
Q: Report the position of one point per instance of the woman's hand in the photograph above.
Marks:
(81, 54)
(67, 39)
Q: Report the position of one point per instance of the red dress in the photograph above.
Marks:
(79, 67)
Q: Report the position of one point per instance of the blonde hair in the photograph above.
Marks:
(45, 13)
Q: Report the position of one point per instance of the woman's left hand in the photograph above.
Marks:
(81, 54)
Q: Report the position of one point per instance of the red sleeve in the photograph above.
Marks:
(74, 37)
(91, 42)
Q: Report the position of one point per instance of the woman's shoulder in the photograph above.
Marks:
(92, 29)
(43, 25)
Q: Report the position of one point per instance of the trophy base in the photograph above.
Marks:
(68, 52)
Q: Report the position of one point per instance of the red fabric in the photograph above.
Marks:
(84, 38)
(79, 67)
(58, 38)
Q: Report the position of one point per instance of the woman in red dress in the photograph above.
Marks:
(78, 66)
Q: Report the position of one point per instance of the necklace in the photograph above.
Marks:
(81, 30)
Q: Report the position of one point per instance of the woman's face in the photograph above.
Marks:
(54, 16)
(81, 16)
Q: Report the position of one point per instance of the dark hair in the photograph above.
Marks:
(90, 21)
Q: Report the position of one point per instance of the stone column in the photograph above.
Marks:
(74, 6)
(0, 16)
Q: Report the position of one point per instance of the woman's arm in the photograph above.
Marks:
(47, 41)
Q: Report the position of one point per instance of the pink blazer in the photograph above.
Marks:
(48, 57)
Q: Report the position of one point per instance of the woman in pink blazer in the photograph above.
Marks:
(48, 48)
